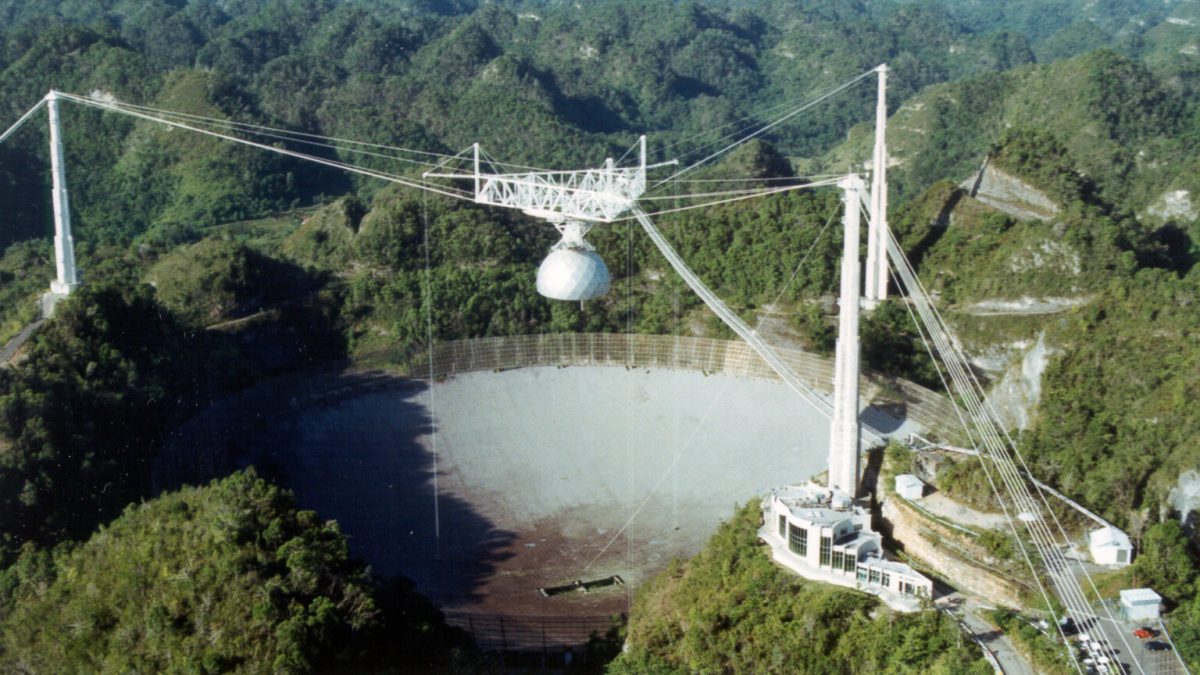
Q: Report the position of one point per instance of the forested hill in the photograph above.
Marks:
(210, 266)
(551, 83)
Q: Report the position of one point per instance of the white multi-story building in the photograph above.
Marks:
(821, 534)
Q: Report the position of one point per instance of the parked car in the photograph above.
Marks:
(1144, 633)
(1157, 646)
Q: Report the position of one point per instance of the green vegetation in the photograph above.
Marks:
(82, 416)
(1129, 128)
(1122, 431)
(25, 272)
(228, 577)
(1164, 563)
(1045, 651)
(965, 480)
(730, 609)
(999, 544)
(183, 304)
(215, 280)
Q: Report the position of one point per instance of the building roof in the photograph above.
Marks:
(817, 505)
(1140, 596)
(1108, 536)
(908, 480)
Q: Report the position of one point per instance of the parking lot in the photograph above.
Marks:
(1151, 656)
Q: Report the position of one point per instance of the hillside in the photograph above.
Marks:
(223, 578)
(1067, 268)
(730, 609)
(1127, 127)
(548, 83)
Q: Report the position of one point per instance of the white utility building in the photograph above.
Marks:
(1110, 546)
(909, 486)
(1140, 604)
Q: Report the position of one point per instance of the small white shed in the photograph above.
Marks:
(1110, 546)
(1140, 604)
(909, 486)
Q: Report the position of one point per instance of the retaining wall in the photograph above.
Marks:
(907, 527)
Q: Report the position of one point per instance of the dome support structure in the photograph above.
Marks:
(573, 202)
(599, 195)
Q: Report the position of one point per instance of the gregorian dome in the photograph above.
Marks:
(572, 274)
(573, 270)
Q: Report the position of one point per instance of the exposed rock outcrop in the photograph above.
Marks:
(913, 532)
(1184, 498)
(1174, 204)
(1015, 397)
(1009, 194)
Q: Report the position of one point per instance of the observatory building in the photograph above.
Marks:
(821, 534)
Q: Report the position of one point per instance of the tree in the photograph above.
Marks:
(1163, 562)
(228, 576)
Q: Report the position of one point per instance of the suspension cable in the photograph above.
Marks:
(245, 126)
(767, 127)
(449, 192)
(24, 118)
(996, 450)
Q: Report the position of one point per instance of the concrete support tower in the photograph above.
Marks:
(64, 244)
(844, 429)
(877, 269)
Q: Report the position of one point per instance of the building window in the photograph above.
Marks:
(797, 540)
(874, 576)
(886, 580)
(782, 526)
(851, 561)
(838, 560)
(858, 527)
(826, 549)
(862, 574)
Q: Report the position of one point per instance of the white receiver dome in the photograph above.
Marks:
(572, 274)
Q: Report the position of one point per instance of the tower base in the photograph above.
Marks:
(49, 300)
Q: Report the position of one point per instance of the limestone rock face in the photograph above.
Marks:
(1009, 194)
(1185, 497)
(1015, 396)
(1174, 204)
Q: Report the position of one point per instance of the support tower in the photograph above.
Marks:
(844, 427)
(877, 269)
(66, 278)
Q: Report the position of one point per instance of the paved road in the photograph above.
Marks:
(940, 505)
(16, 343)
(971, 615)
